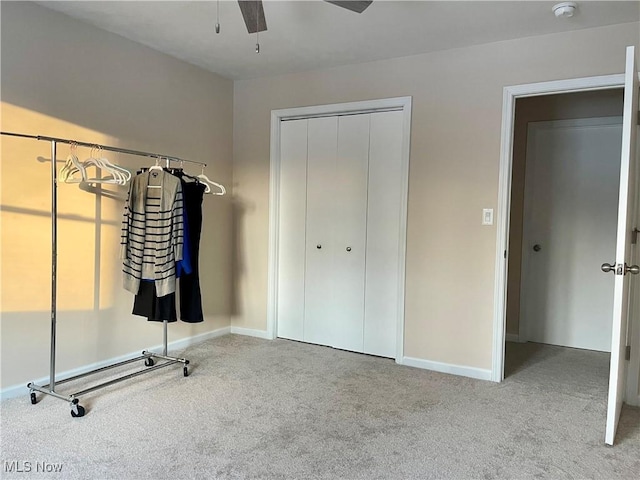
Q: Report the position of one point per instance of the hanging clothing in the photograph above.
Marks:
(190, 294)
(157, 309)
(152, 231)
(147, 303)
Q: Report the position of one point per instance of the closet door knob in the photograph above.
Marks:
(348, 249)
(318, 246)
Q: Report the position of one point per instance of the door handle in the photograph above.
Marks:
(635, 269)
(607, 267)
(537, 248)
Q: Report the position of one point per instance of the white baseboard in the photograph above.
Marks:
(194, 340)
(512, 337)
(18, 390)
(463, 371)
(250, 332)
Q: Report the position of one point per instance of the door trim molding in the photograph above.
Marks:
(369, 106)
(509, 97)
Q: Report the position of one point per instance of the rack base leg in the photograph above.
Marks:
(77, 410)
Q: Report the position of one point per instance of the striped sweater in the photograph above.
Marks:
(152, 232)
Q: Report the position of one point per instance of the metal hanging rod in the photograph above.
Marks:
(103, 147)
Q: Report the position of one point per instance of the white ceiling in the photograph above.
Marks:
(306, 35)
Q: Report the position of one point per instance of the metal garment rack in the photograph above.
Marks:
(78, 410)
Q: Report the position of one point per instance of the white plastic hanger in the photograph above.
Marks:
(117, 177)
(116, 170)
(155, 167)
(207, 183)
(71, 167)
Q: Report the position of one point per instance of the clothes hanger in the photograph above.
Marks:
(181, 173)
(71, 167)
(117, 177)
(155, 167)
(67, 169)
(123, 173)
(207, 182)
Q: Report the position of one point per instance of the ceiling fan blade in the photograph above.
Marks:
(353, 5)
(253, 14)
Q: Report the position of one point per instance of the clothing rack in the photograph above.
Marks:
(50, 389)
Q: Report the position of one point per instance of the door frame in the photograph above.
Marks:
(352, 108)
(510, 95)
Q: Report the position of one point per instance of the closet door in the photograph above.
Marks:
(339, 223)
(383, 234)
(292, 212)
(350, 232)
(319, 311)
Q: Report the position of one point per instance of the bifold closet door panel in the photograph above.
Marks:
(291, 234)
(350, 228)
(322, 138)
(383, 230)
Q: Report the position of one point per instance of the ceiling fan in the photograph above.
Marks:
(253, 12)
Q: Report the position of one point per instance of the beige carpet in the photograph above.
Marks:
(285, 410)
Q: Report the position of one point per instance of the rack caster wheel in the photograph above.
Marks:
(149, 362)
(34, 400)
(185, 371)
(78, 411)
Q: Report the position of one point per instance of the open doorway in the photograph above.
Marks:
(624, 362)
(565, 176)
(563, 216)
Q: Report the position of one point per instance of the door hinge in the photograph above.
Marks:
(634, 236)
(627, 353)
(505, 254)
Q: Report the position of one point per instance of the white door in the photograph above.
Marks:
(628, 180)
(340, 257)
(319, 312)
(350, 232)
(571, 200)
(293, 214)
(383, 296)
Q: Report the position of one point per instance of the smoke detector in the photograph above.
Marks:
(565, 9)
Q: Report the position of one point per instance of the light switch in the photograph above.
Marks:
(487, 216)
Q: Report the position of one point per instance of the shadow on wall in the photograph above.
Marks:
(94, 311)
(88, 234)
(64, 78)
(89, 222)
(216, 255)
(240, 208)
